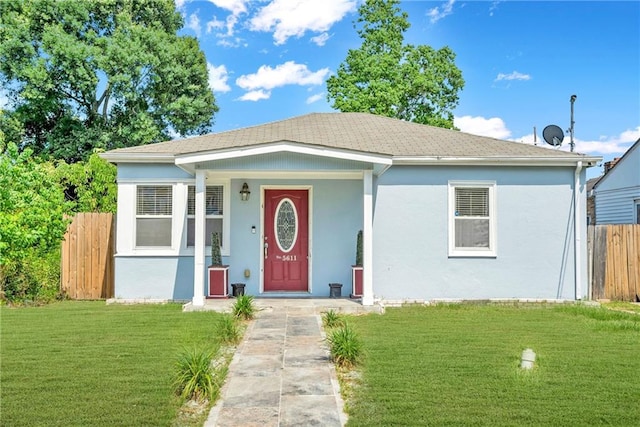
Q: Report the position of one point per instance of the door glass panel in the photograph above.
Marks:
(286, 225)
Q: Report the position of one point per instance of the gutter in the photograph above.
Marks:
(577, 226)
(494, 161)
(138, 157)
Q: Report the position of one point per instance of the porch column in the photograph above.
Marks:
(198, 258)
(367, 239)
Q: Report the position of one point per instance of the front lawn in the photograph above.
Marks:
(459, 365)
(86, 363)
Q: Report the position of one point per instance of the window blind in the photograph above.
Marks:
(213, 200)
(472, 202)
(154, 200)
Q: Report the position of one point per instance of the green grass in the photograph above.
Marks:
(623, 306)
(86, 363)
(459, 365)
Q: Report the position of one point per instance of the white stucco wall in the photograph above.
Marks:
(535, 253)
(535, 234)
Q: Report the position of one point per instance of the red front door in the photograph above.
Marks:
(286, 240)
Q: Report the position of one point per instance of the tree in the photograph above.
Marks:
(86, 74)
(387, 77)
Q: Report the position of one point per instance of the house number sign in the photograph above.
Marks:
(287, 258)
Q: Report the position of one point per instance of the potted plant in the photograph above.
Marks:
(356, 269)
(218, 274)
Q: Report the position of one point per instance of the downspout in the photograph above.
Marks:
(577, 227)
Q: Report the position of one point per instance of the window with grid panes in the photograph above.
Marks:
(214, 213)
(154, 207)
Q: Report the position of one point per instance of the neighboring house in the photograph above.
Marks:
(591, 201)
(444, 214)
(617, 192)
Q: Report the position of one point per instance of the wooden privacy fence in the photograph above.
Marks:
(87, 257)
(614, 261)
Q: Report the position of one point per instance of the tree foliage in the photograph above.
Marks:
(90, 186)
(85, 74)
(387, 77)
(32, 224)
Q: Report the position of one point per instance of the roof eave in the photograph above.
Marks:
(115, 157)
(587, 161)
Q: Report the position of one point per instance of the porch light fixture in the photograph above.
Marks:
(244, 193)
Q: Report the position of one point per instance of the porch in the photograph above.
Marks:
(292, 305)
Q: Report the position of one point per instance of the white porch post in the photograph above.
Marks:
(367, 240)
(198, 259)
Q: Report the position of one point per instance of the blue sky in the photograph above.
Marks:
(522, 61)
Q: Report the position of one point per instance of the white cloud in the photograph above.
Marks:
(214, 24)
(496, 128)
(606, 145)
(180, 3)
(512, 76)
(315, 98)
(494, 6)
(288, 73)
(193, 23)
(439, 12)
(255, 95)
(493, 127)
(236, 7)
(218, 78)
(321, 39)
(288, 18)
(231, 22)
(230, 42)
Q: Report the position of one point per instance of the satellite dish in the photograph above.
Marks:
(553, 135)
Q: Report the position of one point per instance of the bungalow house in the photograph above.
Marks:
(617, 192)
(444, 214)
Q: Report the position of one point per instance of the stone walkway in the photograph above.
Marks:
(281, 374)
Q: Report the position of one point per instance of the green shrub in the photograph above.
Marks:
(36, 278)
(229, 329)
(195, 377)
(331, 319)
(32, 225)
(243, 307)
(345, 346)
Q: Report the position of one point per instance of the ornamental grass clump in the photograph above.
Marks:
(229, 329)
(331, 319)
(243, 308)
(195, 378)
(345, 346)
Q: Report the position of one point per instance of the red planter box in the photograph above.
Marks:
(218, 281)
(356, 281)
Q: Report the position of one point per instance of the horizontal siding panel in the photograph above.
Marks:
(616, 207)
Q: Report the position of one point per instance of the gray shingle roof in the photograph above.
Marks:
(360, 132)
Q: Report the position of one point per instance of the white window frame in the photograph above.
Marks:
(491, 251)
(146, 216)
(636, 210)
(225, 249)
